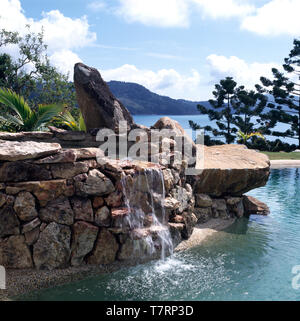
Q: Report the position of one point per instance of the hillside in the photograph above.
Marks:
(140, 100)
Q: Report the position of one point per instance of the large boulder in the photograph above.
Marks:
(230, 170)
(99, 107)
(176, 128)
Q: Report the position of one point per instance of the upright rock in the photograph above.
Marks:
(99, 107)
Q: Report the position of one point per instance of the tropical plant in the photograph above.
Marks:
(30, 74)
(244, 137)
(284, 95)
(18, 115)
(68, 120)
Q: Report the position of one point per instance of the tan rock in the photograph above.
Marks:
(84, 237)
(9, 223)
(31, 225)
(23, 171)
(25, 206)
(14, 253)
(203, 214)
(190, 220)
(171, 124)
(103, 217)
(231, 170)
(169, 180)
(254, 206)
(96, 184)
(63, 156)
(2, 199)
(82, 208)
(13, 150)
(176, 230)
(69, 170)
(87, 153)
(106, 249)
(52, 249)
(59, 211)
(98, 202)
(114, 199)
(32, 236)
(203, 200)
(44, 191)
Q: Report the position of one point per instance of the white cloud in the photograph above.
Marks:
(277, 17)
(165, 81)
(162, 13)
(97, 5)
(244, 73)
(62, 34)
(164, 56)
(65, 60)
(225, 8)
(176, 13)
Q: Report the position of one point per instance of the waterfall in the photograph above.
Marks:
(144, 197)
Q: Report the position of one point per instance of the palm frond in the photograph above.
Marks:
(82, 125)
(68, 120)
(46, 113)
(15, 102)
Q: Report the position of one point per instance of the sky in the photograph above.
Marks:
(177, 48)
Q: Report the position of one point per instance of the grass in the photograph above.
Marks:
(283, 155)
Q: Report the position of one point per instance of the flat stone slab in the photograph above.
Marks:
(14, 151)
(230, 170)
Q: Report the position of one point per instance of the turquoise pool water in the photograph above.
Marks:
(251, 260)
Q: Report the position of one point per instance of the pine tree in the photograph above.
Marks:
(248, 112)
(225, 94)
(284, 91)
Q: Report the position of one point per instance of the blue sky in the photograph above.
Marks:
(179, 48)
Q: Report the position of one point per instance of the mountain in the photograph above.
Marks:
(139, 100)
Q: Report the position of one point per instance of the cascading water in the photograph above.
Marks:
(144, 197)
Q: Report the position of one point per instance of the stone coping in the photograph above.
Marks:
(284, 163)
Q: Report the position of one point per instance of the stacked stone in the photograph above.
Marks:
(61, 207)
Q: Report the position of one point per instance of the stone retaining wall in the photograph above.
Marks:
(67, 209)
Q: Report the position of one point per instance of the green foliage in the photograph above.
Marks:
(244, 137)
(31, 74)
(21, 116)
(234, 108)
(70, 122)
(284, 91)
(272, 146)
